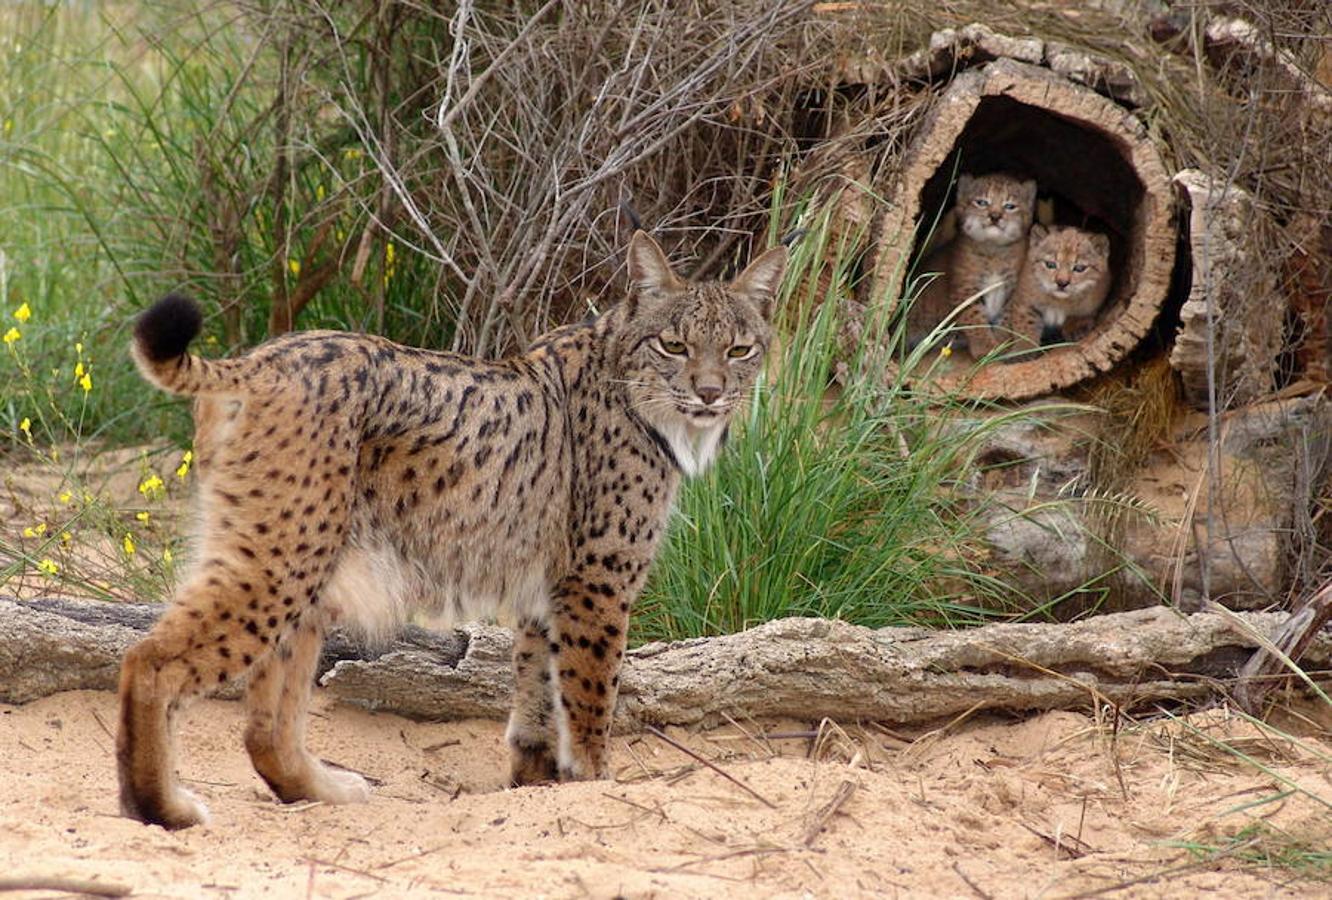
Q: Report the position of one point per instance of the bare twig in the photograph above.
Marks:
(68, 885)
(829, 809)
(711, 765)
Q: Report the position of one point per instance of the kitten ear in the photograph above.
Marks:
(1028, 189)
(1038, 233)
(965, 184)
(649, 270)
(1101, 244)
(762, 278)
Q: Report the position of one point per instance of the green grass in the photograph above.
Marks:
(137, 152)
(833, 504)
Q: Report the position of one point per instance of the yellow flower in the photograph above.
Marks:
(295, 266)
(78, 347)
(184, 468)
(9, 125)
(86, 383)
(12, 335)
(23, 313)
(142, 516)
(166, 555)
(128, 544)
(945, 351)
(35, 531)
(26, 427)
(66, 496)
(351, 153)
(48, 568)
(211, 340)
(66, 537)
(319, 192)
(151, 486)
(390, 253)
(79, 370)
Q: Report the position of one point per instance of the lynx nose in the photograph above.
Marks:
(1061, 280)
(995, 216)
(709, 394)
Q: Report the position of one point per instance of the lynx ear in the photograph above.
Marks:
(762, 278)
(649, 271)
(1038, 233)
(1029, 192)
(965, 184)
(1101, 244)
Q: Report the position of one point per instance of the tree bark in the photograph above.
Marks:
(802, 668)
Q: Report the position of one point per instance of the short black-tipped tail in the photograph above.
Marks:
(161, 336)
(166, 328)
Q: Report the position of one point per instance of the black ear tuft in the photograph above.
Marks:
(166, 328)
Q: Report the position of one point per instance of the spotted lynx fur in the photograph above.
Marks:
(980, 266)
(346, 479)
(1064, 282)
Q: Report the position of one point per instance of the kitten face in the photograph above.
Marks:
(995, 209)
(1068, 263)
(693, 350)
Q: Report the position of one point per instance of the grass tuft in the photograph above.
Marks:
(832, 500)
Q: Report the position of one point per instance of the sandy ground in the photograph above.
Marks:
(1053, 805)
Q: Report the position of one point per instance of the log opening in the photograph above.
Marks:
(1096, 164)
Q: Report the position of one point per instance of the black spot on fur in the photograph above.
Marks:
(166, 328)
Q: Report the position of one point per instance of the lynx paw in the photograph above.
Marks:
(531, 764)
(178, 809)
(338, 786)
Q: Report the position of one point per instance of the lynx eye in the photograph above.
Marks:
(981, 202)
(739, 351)
(672, 348)
(1010, 206)
(1049, 263)
(1080, 267)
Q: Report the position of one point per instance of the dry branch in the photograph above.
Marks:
(803, 668)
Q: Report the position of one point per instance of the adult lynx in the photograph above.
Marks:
(344, 478)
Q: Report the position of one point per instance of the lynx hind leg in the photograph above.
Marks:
(278, 696)
(531, 731)
(193, 647)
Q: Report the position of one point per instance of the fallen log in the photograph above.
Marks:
(802, 668)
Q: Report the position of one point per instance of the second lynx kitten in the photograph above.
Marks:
(1063, 284)
(994, 214)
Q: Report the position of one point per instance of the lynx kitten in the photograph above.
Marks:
(1063, 284)
(347, 479)
(994, 213)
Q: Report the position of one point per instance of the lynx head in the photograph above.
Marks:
(995, 209)
(691, 351)
(1071, 267)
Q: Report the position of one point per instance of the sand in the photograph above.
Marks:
(1053, 805)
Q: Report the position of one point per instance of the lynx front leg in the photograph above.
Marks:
(531, 732)
(590, 621)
